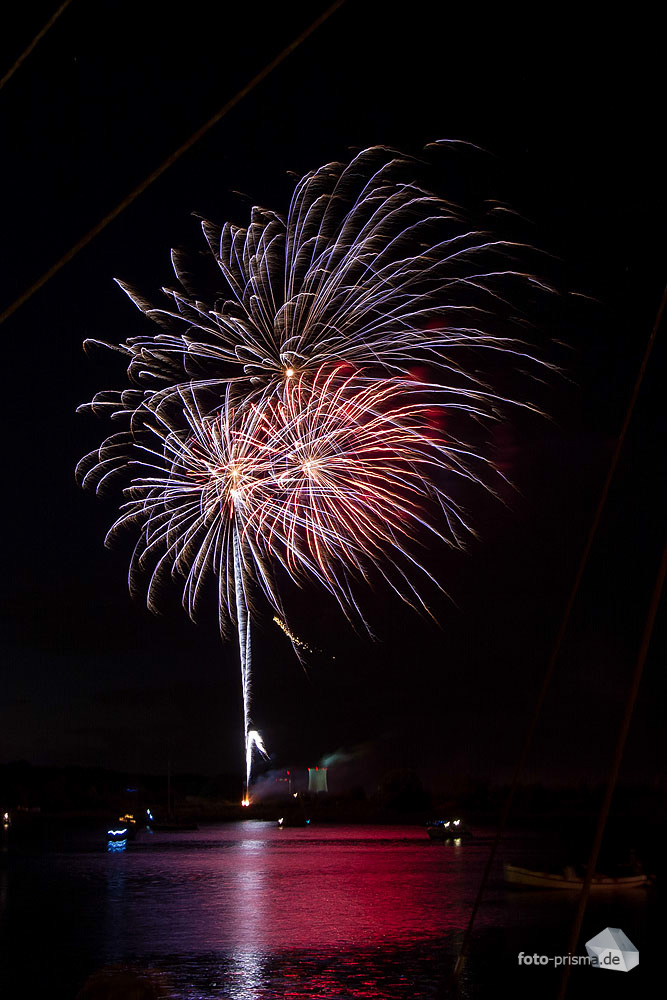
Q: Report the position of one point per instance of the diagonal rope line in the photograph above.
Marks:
(164, 166)
(38, 37)
(615, 767)
(528, 738)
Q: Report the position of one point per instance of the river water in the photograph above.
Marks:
(247, 911)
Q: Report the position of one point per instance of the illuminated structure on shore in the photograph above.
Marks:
(317, 779)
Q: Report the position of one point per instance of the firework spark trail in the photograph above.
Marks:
(253, 739)
(280, 423)
(354, 473)
(245, 651)
(297, 643)
(323, 481)
(191, 514)
(368, 268)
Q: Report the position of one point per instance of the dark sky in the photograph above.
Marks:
(571, 113)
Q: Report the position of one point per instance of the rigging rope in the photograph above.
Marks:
(176, 155)
(465, 945)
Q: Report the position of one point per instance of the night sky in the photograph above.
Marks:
(571, 116)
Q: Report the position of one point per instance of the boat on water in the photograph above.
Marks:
(294, 813)
(124, 829)
(448, 829)
(118, 835)
(568, 879)
(127, 827)
(285, 821)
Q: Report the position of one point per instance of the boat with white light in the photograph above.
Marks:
(294, 812)
(448, 829)
(124, 828)
(285, 821)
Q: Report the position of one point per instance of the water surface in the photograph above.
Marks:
(247, 911)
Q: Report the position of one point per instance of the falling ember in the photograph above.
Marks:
(297, 643)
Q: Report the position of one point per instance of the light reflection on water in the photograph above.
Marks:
(291, 889)
(246, 980)
(250, 912)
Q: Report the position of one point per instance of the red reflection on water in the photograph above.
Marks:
(272, 889)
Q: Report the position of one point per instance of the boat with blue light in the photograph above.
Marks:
(285, 821)
(452, 829)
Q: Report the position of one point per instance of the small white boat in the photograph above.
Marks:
(569, 879)
(447, 829)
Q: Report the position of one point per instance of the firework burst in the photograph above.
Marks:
(358, 483)
(329, 481)
(368, 269)
(280, 423)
